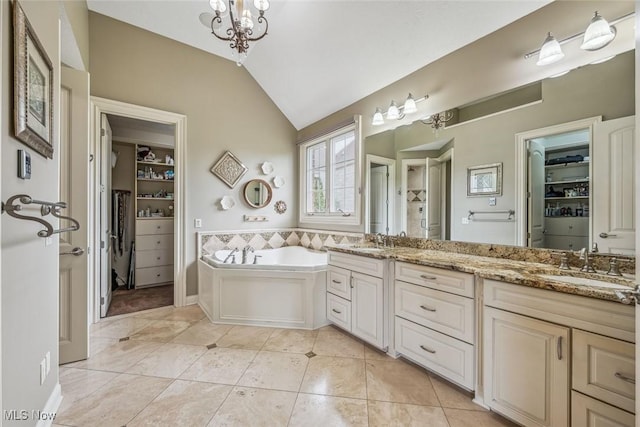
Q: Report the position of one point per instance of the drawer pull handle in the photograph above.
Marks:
(428, 308)
(623, 377)
(158, 275)
(427, 349)
(158, 241)
(336, 311)
(351, 282)
(559, 348)
(425, 277)
(336, 281)
(158, 258)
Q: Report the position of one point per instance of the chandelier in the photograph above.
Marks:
(438, 120)
(241, 23)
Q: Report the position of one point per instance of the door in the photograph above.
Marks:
(379, 200)
(105, 215)
(366, 308)
(433, 210)
(526, 369)
(535, 199)
(74, 189)
(613, 186)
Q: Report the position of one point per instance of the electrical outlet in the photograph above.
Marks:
(465, 220)
(43, 371)
(492, 201)
(47, 358)
(197, 223)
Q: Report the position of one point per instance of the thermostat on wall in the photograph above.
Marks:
(24, 165)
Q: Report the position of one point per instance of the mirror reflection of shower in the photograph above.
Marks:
(416, 201)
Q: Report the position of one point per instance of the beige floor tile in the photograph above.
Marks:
(245, 337)
(97, 344)
(220, 365)
(312, 410)
(387, 414)
(114, 404)
(183, 403)
(371, 353)
(464, 418)
(255, 407)
(189, 313)
(79, 383)
(155, 313)
(169, 360)
(161, 331)
(400, 382)
(291, 341)
(202, 333)
(335, 376)
(331, 342)
(118, 328)
(451, 396)
(119, 357)
(276, 371)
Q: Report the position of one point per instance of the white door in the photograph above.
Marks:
(366, 308)
(379, 200)
(535, 205)
(433, 210)
(613, 188)
(105, 216)
(74, 190)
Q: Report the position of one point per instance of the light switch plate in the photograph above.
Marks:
(197, 223)
(492, 201)
(24, 164)
(465, 220)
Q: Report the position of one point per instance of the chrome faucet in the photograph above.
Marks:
(245, 252)
(379, 240)
(402, 234)
(587, 267)
(231, 254)
(614, 269)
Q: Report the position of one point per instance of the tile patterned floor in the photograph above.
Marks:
(168, 373)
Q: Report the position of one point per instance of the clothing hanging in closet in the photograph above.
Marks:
(119, 206)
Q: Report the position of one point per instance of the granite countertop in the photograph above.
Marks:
(517, 272)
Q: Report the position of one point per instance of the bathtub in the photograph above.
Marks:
(286, 288)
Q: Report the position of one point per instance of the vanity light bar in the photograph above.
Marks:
(396, 112)
(579, 35)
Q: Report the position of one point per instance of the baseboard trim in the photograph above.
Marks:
(51, 407)
(191, 299)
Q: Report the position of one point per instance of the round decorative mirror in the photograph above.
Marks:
(257, 193)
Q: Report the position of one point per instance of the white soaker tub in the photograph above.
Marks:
(286, 288)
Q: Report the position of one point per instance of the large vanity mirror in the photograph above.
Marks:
(565, 182)
(257, 193)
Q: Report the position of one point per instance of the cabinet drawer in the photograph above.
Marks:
(565, 243)
(151, 275)
(447, 356)
(588, 412)
(436, 278)
(339, 282)
(339, 311)
(361, 264)
(154, 226)
(444, 312)
(604, 368)
(161, 241)
(154, 258)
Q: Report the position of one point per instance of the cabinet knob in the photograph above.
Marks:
(158, 275)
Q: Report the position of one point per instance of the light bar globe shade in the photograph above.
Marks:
(393, 113)
(550, 51)
(598, 34)
(377, 118)
(409, 105)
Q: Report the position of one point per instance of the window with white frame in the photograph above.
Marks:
(329, 178)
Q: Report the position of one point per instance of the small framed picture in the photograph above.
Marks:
(229, 169)
(33, 87)
(484, 180)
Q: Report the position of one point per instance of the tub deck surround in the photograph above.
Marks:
(288, 258)
(518, 272)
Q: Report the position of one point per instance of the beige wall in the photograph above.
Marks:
(29, 267)
(78, 16)
(225, 108)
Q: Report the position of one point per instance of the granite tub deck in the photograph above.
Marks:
(523, 273)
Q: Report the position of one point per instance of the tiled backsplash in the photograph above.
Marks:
(209, 242)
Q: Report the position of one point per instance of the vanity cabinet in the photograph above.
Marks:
(355, 296)
(435, 320)
(533, 338)
(154, 252)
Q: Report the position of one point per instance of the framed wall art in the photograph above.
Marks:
(33, 87)
(484, 180)
(229, 169)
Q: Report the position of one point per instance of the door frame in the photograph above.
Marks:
(101, 106)
(391, 185)
(403, 188)
(445, 221)
(522, 172)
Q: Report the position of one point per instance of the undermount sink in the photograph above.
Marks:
(581, 281)
(366, 248)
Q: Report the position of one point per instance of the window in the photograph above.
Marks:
(329, 167)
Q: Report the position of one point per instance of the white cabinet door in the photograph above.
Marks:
(366, 309)
(526, 368)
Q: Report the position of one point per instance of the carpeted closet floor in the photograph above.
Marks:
(125, 300)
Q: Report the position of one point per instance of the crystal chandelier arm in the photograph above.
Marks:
(261, 19)
(218, 19)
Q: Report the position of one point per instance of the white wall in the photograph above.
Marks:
(30, 269)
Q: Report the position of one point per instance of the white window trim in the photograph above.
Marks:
(332, 218)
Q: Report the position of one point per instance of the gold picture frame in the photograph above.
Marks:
(33, 87)
(484, 180)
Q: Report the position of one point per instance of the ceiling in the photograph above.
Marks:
(323, 55)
